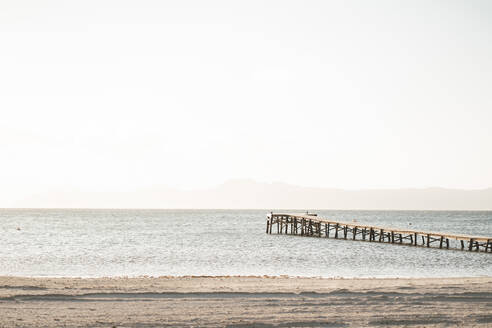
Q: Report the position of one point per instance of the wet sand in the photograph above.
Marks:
(245, 302)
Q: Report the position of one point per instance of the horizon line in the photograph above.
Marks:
(241, 209)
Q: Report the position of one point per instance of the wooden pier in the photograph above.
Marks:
(310, 225)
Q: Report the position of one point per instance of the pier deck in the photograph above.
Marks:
(310, 225)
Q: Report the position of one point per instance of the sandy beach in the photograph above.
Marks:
(244, 302)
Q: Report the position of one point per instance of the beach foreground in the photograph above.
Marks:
(244, 302)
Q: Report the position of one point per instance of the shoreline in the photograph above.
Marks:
(3, 277)
(244, 301)
(283, 276)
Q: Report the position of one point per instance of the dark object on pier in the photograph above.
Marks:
(313, 226)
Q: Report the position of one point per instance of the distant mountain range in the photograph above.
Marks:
(248, 194)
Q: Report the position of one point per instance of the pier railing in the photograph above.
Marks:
(311, 225)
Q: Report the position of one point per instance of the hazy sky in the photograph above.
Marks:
(123, 95)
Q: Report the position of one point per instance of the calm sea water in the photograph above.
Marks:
(96, 243)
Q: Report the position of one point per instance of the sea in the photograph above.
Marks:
(140, 242)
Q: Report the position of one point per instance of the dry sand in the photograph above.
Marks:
(245, 302)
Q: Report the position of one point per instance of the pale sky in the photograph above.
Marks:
(129, 95)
